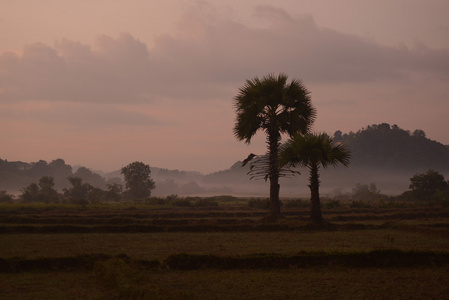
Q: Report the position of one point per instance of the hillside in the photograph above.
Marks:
(390, 147)
(388, 156)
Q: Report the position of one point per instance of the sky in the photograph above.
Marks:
(103, 83)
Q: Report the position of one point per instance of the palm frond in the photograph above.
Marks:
(260, 168)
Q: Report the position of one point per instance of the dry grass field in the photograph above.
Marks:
(224, 252)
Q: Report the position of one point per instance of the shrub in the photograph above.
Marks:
(259, 203)
(366, 192)
(182, 203)
(331, 204)
(156, 201)
(224, 198)
(392, 203)
(359, 204)
(192, 199)
(208, 202)
(172, 197)
(5, 197)
(299, 203)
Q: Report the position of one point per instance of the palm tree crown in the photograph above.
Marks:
(273, 105)
(314, 149)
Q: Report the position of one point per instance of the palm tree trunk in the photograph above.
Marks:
(315, 213)
(275, 204)
(273, 149)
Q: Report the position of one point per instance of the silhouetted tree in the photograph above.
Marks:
(274, 106)
(366, 192)
(79, 192)
(30, 193)
(313, 151)
(39, 169)
(426, 186)
(5, 197)
(90, 177)
(419, 133)
(114, 192)
(60, 172)
(338, 136)
(42, 192)
(95, 195)
(47, 193)
(138, 181)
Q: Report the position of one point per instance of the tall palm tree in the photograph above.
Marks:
(276, 107)
(313, 151)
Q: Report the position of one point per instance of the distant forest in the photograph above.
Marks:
(384, 154)
(390, 147)
(17, 175)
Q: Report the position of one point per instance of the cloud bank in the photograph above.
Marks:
(123, 69)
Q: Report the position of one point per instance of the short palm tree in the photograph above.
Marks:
(313, 151)
(276, 107)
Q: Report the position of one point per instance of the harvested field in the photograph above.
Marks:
(128, 252)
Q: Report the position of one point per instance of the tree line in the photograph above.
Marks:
(429, 188)
(138, 187)
(15, 175)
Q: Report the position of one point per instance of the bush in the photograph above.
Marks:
(331, 204)
(366, 192)
(5, 197)
(172, 197)
(208, 202)
(182, 203)
(156, 201)
(177, 201)
(259, 203)
(393, 203)
(359, 204)
(299, 203)
(224, 198)
(192, 199)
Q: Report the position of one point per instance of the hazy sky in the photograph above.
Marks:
(103, 83)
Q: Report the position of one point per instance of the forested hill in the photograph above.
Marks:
(391, 148)
(382, 154)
